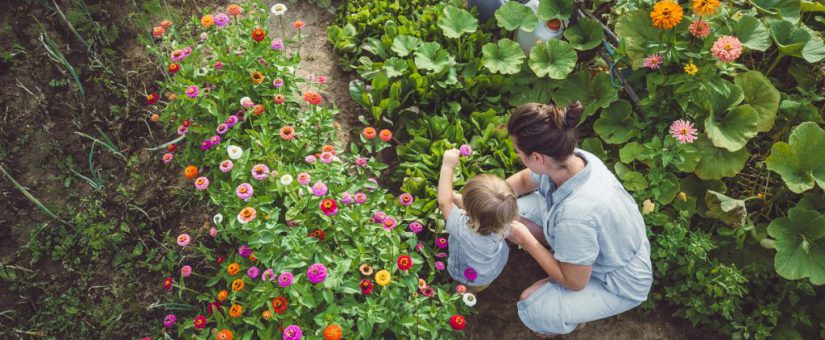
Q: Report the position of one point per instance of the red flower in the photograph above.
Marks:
(200, 322)
(167, 283)
(457, 322)
(213, 307)
(187, 123)
(258, 34)
(317, 233)
(329, 207)
(385, 135)
(312, 97)
(172, 147)
(369, 132)
(366, 286)
(280, 304)
(174, 68)
(404, 262)
(219, 260)
(152, 98)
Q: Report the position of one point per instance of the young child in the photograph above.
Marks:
(478, 251)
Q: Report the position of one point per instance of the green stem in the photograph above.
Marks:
(773, 66)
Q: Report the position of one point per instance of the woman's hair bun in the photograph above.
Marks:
(572, 114)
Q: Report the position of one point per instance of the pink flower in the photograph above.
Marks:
(322, 80)
(439, 265)
(406, 199)
(169, 320)
(253, 272)
(319, 189)
(218, 65)
(213, 232)
(465, 150)
(278, 82)
(201, 183)
(416, 227)
(303, 178)
(177, 55)
(222, 128)
(185, 271)
(182, 130)
(327, 157)
(441, 243)
(285, 279)
(268, 275)
(244, 191)
(379, 217)
(183, 240)
(231, 120)
(214, 140)
(441, 255)
(361, 161)
(727, 48)
(244, 251)
(653, 62)
(683, 131)
(200, 322)
(192, 91)
(389, 223)
(167, 157)
(461, 289)
(247, 215)
(226, 166)
(360, 197)
(260, 172)
(316, 273)
(419, 246)
(346, 198)
(310, 159)
(699, 28)
(428, 291)
(292, 332)
(277, 44)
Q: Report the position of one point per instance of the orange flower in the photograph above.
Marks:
(257, 77)
(313, 98)
(224, 334)
(666, 14)
(165, 23)
(171, 96)
(154, 117)
(267, 315)
(158, 31)
(328, 148)
(252, 256)
(190, 172)
(234, 9)
(287, 132)
(235, 311)
(237, 285)
(369, 132)
(299, 24)
(233, 268)
(258, 34)
(207, 21)
(385, 135)
(222, 295)
(333, 332)
(705, 7)
(258, 110)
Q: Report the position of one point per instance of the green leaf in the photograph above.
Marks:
(631, 152)
(717, 163)
(752, 33)
(666, 189)
(455, 21)
(788, 10)
(403, 45)
(430, 56)
(585, 34)
(395, 67)
(732, 129)
(632, 180)
(554, 9)
(814, 49)
(723, 96)
(801, 162)
(726, 209)
(554, 58)
(800, 245)
(513, 16)
(594, 93)
(617, 124)
(810, 6)
(789, 38)
(503, 57)
(761, 95)
(637, 34)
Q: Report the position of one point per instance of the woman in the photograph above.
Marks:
(599, 257)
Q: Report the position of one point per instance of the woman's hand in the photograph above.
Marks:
(519, 234)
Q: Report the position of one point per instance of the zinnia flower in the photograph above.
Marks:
(379, 216)
(260, 171)
(247, 102)
(648, 207)
(389, 223)
(224, 334)
(406, 199)
(439, 265)
(221, 20)
(441, 243)
(319, 189)
(286, 179)
(691, 69)
(333, 332)
(365, 269)
(705, 7)
(192, 91)
(234, 10)
(233, 268)
(385, 135)
(244, 251)
(653, 62)
(231, 121)
(278, 9)
(327, 157)
(213, 232)
(201, 183)
(470, 274)
(329, 207)
(277, 44)
(312, 97)
(369, 132)
(207, 21)
(235, 311)
(169, 320)
(366, 286)
(292, 332)
(699, 28)
(303, 178)
(226, 166)
(346, 198)
(416, 227)
(200, 322)
(360, 197)
(361, 161)
(167, 283)
(683, 131)
(469, 299)
(322, 80)
(278, 82)
(465, 150)
(158, 31)
(287, 132)
(152, 98)
(280, 304)
(167, 157)
(726, 48)
(257, 77)
(298, 24)
(174, 68)
(457, 322)
(185, 271)
(246, 215)
(237, 285)
(285, 279)
(460, 289)
(234, 152)
(244, 191)
(383, 277)
(316, 273)
(258, 34)
(666, 14)
(427, 291)
(404, 262)
(310, 159)
(183, 240)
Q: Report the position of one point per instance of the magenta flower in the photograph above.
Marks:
(260, 172)
(304, 178)
(683, 131)
(285, 279)
(169, 320)
(465, 150)
(360, 197)
(182, 130)
(416, 227)
(205, 145)
(183, 240)
(727, 48)
(361, 161)
(177, 55)
(653, 62)
(244, 251)
(253, 272)
(185, 271)
(419, 246)
(316, 273)
(218, 65)
(226, 166)
(389, 224)
(319, 189)
(214, 140)
(379, 217)
(277, 44)
(346, 198)
(470, 274)
(187, 51)
(222, 128)
(310, 159)
(441, 243)
(292, 332)
(441, 255)
(200, 322)
(221, 20)
(192, 91)
(406, 199)
(244, 191)
(231, 120)
(439, 265)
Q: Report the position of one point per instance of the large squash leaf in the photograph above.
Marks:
(801, 162)
(800, 245)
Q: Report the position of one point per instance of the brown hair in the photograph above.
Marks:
(546, 129)
(490, 203)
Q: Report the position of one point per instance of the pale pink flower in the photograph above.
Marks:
(260, 172)
(244, 191)
(653, 61)
(183, 240)
(699, 28)
(727, 48)
(683, 131)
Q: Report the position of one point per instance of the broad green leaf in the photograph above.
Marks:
(594, 93)
(585, 34)
(726, 209)
(785, 9)
(797, 111)
(632, 180)
(430, 56)
(752, 33)
(666, 190)
(694, 187)
(554, 58)
(722, 96)
(535, 91)
(395, 67)
(814, 49)
(504, 57)
(789, 38)
(455, 22)
(812, 6)
(761, 95)
(637, 32)
(554, 9)
(716, 162)
(594, 146)
(403, 45)
(631, 152)
(801, 162)
(812, 201)
(513, 16)
(688, 158)
(617, 124)
(733, 129)
(800, 245)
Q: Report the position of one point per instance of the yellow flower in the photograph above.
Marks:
(705, 7)
(647, 207)
(382, 277)
(691, 69)
(666, 14)
(682, 196)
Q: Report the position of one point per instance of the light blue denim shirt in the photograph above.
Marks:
(487, 254)
(592, 220)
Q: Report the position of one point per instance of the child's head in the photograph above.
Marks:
(490, 203)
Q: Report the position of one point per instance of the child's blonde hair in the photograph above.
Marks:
(490, 203)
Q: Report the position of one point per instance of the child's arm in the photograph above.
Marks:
(458, 200)
(445, 181)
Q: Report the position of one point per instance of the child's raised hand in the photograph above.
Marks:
(519, 234)
(450, 158)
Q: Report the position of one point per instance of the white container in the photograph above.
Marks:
(542, 33)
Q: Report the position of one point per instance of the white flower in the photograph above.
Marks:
(469, 299)
(286, 179)
(234, 152)
(247, 102)
(278, 9)
(217, 219)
